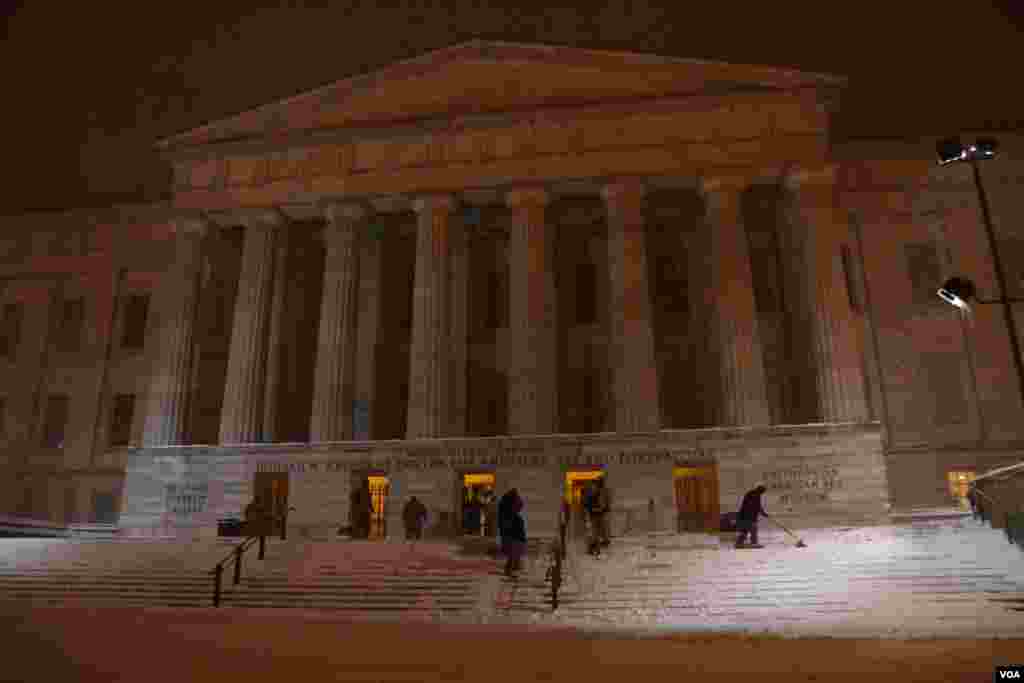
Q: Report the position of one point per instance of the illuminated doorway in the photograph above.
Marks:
(697, 506)
(959, 481)
(478, 504)
(271, 494)
(577, 484)
(368, 505)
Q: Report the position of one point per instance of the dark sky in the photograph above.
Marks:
(87, 91)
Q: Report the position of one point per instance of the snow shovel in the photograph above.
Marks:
(799, 541)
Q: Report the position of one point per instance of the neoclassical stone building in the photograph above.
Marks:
(512, 265)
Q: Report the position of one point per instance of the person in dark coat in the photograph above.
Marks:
(414, 514)
(746, 520)
(972, 498)
(512, 528)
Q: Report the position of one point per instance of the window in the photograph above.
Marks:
(121, 419)
(3, 417)
(56, 421)
(10, 334)
(586, 293)
(70, 325)
(925, 272)
(135, 314)
(104, 510)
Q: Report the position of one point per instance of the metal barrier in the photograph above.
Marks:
(236, 556)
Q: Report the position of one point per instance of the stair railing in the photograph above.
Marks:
(1013, 526)
(235, 556)
(555, 571)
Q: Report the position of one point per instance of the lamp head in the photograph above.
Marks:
(957, 291)
(950, 150)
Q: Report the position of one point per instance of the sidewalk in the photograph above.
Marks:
(157, 645)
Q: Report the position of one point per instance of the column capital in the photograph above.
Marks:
(525, 196)
(434, 201)
(345, 212)
(721, 185)
(191, 224)
(796, 177)
(621, 188)
(262, 218)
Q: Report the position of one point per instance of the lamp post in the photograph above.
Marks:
(958, 291)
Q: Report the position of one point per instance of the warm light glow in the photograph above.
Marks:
(575, 482)
(959, 482)
(484, 479)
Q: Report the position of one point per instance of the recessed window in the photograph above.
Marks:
(122, 414)
(135, 316)
(69, 327)
(56, 423)
(10, 330)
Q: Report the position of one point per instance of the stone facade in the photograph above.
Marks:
(530, 251)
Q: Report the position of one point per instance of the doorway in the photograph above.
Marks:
(368, 505)
(271, 495)
(697, 506)
(478, 508)
(959, 481)
(578, 483)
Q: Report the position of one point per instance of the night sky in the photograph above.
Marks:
(87, 91)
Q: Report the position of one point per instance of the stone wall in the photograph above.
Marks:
(816, 475)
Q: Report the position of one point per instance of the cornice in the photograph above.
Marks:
(413, 128)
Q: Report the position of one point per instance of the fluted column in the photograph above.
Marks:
(533, 389)
(634, 366)
(834, 326)
(459, 328)
(734, 333)
(178, 295)
(429, 354)
(273, 383)
(245, 385)
(335, 357)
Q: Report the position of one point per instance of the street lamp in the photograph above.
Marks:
(960, 291)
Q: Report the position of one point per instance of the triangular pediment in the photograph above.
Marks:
(482, 77)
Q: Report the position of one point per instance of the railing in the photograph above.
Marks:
(1013, 521)
(236, 556)
(555, 570)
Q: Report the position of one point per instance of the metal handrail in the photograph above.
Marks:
(554, 574)
(236, 555)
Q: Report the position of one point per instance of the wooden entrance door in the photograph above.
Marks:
(697, 497)
(272, 496)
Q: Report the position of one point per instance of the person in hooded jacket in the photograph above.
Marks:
(512, 528)
(746, 519)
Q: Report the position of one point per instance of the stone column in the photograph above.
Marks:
(167, 401)
(245, 385)
(634, 366)
(335, 357)
(533, 397)
(734, 330)
(429, 353)
(459, 326)
(824, 229)
(273, 388)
